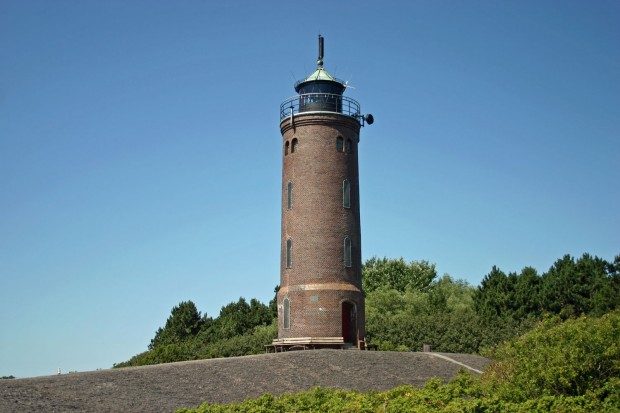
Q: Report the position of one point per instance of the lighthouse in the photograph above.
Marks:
(320, 300)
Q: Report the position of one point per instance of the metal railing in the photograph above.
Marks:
(320, 102)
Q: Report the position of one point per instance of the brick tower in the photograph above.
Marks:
(320, 301)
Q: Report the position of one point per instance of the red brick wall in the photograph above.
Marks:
(317, 223)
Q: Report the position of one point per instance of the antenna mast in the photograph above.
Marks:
(319, 62)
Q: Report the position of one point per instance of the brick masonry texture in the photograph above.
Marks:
(318, 282)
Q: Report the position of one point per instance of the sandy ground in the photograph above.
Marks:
(166, 387)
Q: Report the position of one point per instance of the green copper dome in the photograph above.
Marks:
(320, 74)
(320, 81)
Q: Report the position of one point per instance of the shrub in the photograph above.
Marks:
(568, 358)
(197, 348)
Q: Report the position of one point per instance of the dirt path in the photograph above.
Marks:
(166, 387)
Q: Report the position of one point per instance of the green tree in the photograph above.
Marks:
(494, 297)
(606, 294)
(241, 328)
(184, 322)
(397, 274)
(442, 316)
(273, 304)
(527, 294)
(514, 296)
(238, 318)
(579, 287)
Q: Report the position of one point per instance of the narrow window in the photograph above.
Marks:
(286, 148)
(293, 145)
(287, 313)
(289, 195)
(289, 253)
(347, 252)
(339, 144)
(349, 146)
(346, 194)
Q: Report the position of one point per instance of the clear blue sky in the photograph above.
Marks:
(140, 153)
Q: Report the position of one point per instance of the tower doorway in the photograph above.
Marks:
(349, 323)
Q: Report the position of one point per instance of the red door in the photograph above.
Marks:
(349, 323)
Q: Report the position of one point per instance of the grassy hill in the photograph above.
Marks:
(166, 387)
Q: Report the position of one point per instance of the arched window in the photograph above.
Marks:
(289, 253)
(294, 145)
(347, 252)
(287, 313)
(339, 144)
(349, 146)
(346, 194)
(286, 148)
(289, 195)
